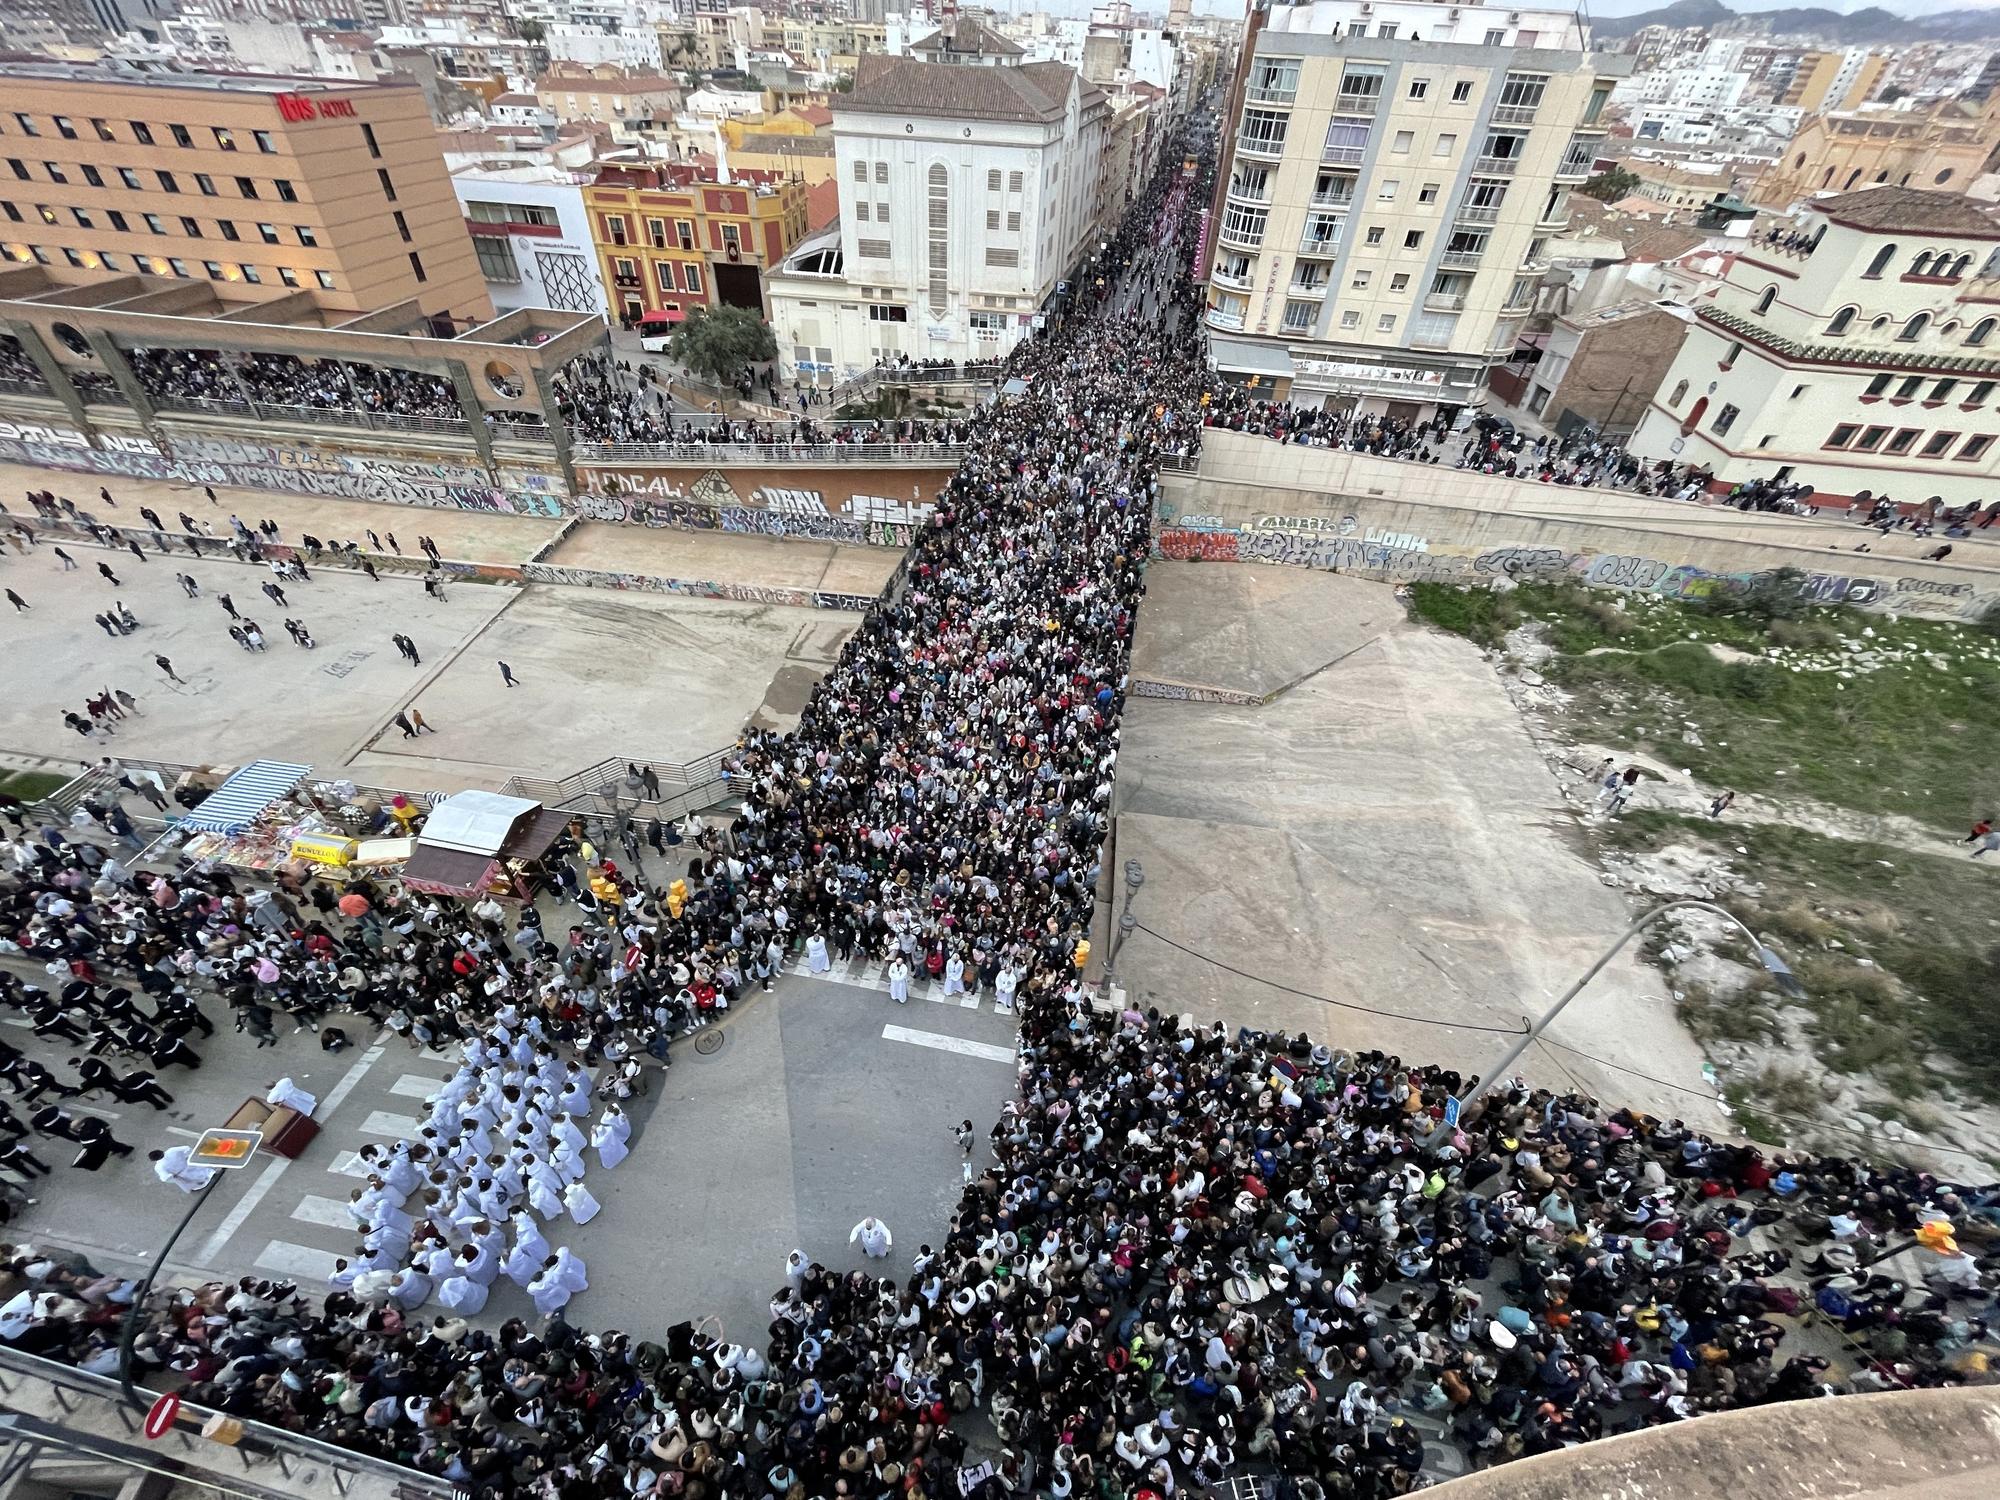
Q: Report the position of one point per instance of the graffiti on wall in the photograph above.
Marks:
(1400, 557)
(693, 588)
(1180, 692)
(439, 484)
(52, 447)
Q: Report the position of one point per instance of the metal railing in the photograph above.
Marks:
(1261, 146)
(1462, 260)
(1258, 93)
(771, 453)
(1444, 302)
(26, 388)
(1257, 196)
(1356, 104)
(1479, 213)
(1499, 166)
(1344, 156)
(1316, 290)
(1241, 238)
(1230, 279)
(1514, 114)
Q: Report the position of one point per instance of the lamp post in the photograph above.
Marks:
(129, 1333)
(1135, 876)
(1773, 964)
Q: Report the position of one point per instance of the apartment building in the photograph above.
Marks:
(1835, 80)
(262, 185)
(1866, 364)
(1391, 177)
(667, 242)
(531, 235)
(970, 190)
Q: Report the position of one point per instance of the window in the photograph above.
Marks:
(1882, 258)
(1978, 395)
(663, 270)
(1975, 447)
(1375, 234)
(417, 266)
(227, 228)
(1981, 332)
(1461, 92)
(108, 261)
(92, 176)
(1914, 329)
(223, 137)
(306, 235)
(1004, 258)
(154, 223)
(992, 215)
(264, 143)
(1400, 282)
(246, 186)
(1428, 193)
(286, 192)
(129, 177)
(1798, 391)
(103, 130)
(1385, 191)
(732, 239)
(190, 227)
(117, 219)
(691, 277)
(1878, 385)
(177, 265)
(1419, 87)
(140, 132)
(1496, 37)
(181, 136)
(20, 168)
(1729, 356)
(213, 268)
(252, 275)
(1350, 319)
(368, 135)
(872, 249)
(889, 312)
(381, 176)
(1842, 321)
(1386, 323)
(1922, 265)
(56, 173)
(1413, 239)
(1361, 280)
(1401, 142)
(75, 258)
(28, 126)
(168, 183)
(205, 183)
(403, 226)
(1904, 439)
(1871, 438)
(11, 212)
(48, 214)
(1938, 444)
(1765, 299)
(82, 218)
(1679, 395)
(993, 180)
(287, 275)
(1013, 182)
(684, 232)
(1013, 223)
(1907, 391)
(861, 171)
(268, 233)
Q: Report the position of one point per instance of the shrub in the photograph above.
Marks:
(1480, 615)
(1776, 595)
(1800, 924)
(1804, 635)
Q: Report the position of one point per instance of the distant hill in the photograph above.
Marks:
(1870, 25)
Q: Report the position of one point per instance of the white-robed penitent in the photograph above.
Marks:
(569, 1266)
(461, 1294)
(873, 1235)
(608, 1136)
(816, 959)
(581, 1205)
(549, 1293)
(899, 982)
(954, 975)
(288, 1095)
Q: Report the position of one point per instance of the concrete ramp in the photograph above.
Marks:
(1243, 635)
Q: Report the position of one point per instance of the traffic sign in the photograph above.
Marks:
(225, 1148)
(161, 1416)
(1450, 1113)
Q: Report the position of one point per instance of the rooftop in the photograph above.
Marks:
(1911, 210)
(968, 36)
(903, 86)
(193, 80)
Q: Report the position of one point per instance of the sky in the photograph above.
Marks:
(1749, 7)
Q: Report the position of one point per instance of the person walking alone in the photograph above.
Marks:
(17, 601)
(507, 675)
(168, 667)
(105, 569)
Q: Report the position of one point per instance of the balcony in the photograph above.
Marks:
(1514, 114)
(1444, 302)
(1574, 169)
(1267, 148)
(1240, 236)
(1315, 292)
(1258, 93)
(1461, 260)
(1339, 202)
(1260, 194)
(1228, 322)
(1554, 225)
(1356, 104)
(1478, 213)
(1230, 279)
(1496, 166)
(1344, 156)
(1316, 244)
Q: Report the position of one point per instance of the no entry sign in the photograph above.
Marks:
(162, 1413)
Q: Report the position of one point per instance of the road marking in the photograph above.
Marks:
(332, 1212)
(245, 1206)
(193, 1135)
(396, 1127)
(871, 973)
(288, 1259)
(948, 1044)
(968, 1001)
(349, 1164)
(337, 1095)
(416, 1086)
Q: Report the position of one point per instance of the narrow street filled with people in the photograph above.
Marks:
(1180, 1255)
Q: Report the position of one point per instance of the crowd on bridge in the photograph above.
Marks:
(1184, 1255)
(287, 380)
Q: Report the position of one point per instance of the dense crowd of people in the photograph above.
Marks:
(286, 380)
(1188, 1254)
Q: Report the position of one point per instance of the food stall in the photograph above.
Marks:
(263, 817)
(482, 843)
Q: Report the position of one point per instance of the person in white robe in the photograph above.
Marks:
(575, 1092)
(609, 1136)
(816, 959)
(873, 1236)
(547, 1290)
(569, 1265)
(954, 974)
(567, 1161)
(567, 1131)
(374, 1287)
(899, 980)
(1004, 984)
(545, 1192)
(578, 1200)
(411, 1290)
(463, 1295)
(285, 1094)
(524, 1261)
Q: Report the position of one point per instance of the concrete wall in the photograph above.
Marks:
(1253, 500)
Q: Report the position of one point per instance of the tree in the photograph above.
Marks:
(1609, 187)
(530, 31)
(720, 341)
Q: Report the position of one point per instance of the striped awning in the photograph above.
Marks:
(234, 805)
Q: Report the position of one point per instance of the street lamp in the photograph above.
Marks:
(129, 1333)
(1779, 970)
(1135, 876)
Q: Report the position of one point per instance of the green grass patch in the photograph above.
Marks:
(1480, 615)
(32, 786)
(1903, 738)
(1928, 925)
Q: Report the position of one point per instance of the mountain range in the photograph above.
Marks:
(1872, 24)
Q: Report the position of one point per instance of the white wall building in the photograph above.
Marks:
(1698, 88)
(969, 191)
(532, 236)
(629, 47)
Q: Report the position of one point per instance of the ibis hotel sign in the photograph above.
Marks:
(296, 107)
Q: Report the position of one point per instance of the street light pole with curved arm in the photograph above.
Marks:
(1777, 967)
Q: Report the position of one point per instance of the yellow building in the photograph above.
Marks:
(667, 243)
(1941, 149)
(1835, 80)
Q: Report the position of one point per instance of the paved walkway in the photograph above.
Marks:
(720, 557)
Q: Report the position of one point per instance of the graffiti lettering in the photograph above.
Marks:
(1930, 586)
(792, 502)
(1214, 546)
(881, 508)
(1521, 562)
(1615, 571)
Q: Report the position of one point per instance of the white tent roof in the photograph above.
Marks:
(475, 822)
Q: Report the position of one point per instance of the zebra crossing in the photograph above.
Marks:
(863, 972)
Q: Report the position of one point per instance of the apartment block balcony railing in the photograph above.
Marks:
(1461, 260)
(1496, 165)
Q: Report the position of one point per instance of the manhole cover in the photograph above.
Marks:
(708, 1041)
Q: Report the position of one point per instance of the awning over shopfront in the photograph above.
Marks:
(1245, 357)
(448, 872)
(234, 805)
(476, 822)
(477, 842)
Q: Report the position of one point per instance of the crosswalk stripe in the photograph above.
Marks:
(934, 991)
(332, 1212)
(968, 1001)
(397, 1127)
(871, 973)
(416, 1086)
(349, 1164)
(983, 1050)
(288, 1259)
